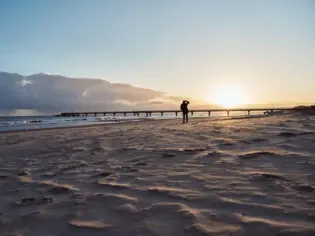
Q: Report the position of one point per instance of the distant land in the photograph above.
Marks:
(49, 94)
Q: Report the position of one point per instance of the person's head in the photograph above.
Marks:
(184, 101)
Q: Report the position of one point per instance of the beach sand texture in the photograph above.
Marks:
(231, 177)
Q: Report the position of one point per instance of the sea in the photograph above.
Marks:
(12, 123)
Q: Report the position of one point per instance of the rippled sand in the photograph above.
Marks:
(230, 177)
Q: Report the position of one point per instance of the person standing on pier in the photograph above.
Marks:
(184, 109)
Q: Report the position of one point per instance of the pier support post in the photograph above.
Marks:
(138, 114)
(162, 113)
(176, 113)
(94, 114)
(114, 114)
(147, 114)
(248, 112)
(228, 113)
(192, 113)
(209, 113)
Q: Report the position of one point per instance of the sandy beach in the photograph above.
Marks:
(209, 177)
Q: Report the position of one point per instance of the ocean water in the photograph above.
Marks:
(10, 123)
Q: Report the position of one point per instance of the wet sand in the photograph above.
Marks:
(209, 177)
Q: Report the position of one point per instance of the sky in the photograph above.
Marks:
(263, 48)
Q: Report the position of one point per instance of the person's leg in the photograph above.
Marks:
(183, 117)
(186, 117)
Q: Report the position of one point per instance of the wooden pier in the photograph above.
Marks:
(148, 113)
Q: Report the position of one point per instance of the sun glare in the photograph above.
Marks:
(228, 96)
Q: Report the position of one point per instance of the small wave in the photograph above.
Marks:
(35, 121)
(20, 122)
(106, 118)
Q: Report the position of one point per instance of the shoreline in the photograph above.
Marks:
(143, 121)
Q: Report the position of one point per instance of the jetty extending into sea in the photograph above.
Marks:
(148, 113)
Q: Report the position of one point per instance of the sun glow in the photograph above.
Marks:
(228, 96)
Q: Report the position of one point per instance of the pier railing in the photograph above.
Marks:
(176, 112)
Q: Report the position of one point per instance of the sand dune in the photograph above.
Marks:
(231, 177)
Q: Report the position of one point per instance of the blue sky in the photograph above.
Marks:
(183, 47)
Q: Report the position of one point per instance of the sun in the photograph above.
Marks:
(227, 96)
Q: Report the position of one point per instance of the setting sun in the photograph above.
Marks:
(228, 96)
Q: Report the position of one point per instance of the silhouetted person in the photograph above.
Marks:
(184, 109)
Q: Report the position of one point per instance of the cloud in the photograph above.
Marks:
(124, 102)
(163, 100)
(85, 93)
(54, 93)
(24, 82)
(156, 102)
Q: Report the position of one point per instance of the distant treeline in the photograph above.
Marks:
(312, 107)
(305, 109)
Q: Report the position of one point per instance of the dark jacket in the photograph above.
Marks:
(184, 106)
